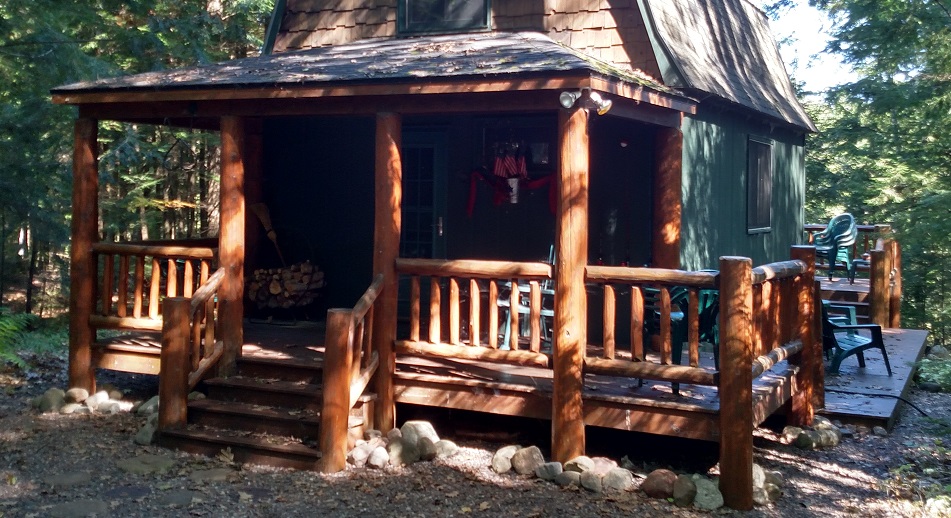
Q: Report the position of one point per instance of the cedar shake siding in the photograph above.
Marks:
(610, 31)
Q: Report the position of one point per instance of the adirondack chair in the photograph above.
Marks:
(834, 244)
(841, 340)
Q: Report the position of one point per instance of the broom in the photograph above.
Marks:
(260, 210)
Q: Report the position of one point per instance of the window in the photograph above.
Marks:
(759, 186)
(417, 16)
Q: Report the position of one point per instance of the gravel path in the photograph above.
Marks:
(72, 465)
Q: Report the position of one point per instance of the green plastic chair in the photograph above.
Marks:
(840, 340)
(834, 244)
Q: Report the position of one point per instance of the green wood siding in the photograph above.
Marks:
(714, 189)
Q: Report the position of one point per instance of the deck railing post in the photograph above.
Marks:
(894, 313)
(173, 381)
(571, 257)
(335, 412)
(809, 377)
(82, 271)
(386, 247)
(819, 389)
(878, 288)
(736, 382)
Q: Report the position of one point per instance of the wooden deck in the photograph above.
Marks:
(860, 396)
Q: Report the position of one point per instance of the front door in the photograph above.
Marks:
(424, 195)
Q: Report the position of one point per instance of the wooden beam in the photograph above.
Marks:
(811, 370)
(668, 167)
(173, 379)
(85, 227)
(736, 382)
(571, 253)
(335, 410)
(231, 241)
(255, 233)
(386, 248)
(878, 295)
(894, 313)
(441, 350)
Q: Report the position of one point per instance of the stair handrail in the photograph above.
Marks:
(349, 365)
(190, 349)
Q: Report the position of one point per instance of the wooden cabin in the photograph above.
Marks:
(436, 153)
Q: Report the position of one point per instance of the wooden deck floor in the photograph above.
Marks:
(862, 396)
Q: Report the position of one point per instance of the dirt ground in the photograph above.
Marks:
(70, 465)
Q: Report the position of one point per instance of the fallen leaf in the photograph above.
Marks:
(452, 494)
(465, 510)
(244, 497)
(484, 505)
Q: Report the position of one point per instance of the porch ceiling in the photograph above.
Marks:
(507, 70)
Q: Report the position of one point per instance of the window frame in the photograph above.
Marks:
(404, 29)
(754, 194)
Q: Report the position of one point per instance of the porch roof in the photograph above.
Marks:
(463, 59)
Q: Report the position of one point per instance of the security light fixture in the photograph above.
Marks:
(568, 99)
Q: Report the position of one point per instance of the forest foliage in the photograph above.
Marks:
(883, 152)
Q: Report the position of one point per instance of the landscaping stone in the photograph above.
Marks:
(394, 434)
(70, 408)
(939, 352)
(659, 483)
(929, 386)
(51, 400)
(580, 464)
(878, 431)
(684, 491)
(194, 396)
(211, 475)
(413, 431)
(568, 478)
(938, 506)
(775, 478)
(502, 460)
(603, 464)
(807, 440)
(109, 407)
(427, 448)
(759, 475)
(75, 478)
(378, 458)
(149, 407)
(591, 481)
(626, 463)
(372, 434)
(446, 449)
(359, 455)
(526, 460)
(618, 479)
(402, 453)
(97, 399)
(549, 470)
(75, 395)
(791, 433)
(146, 464)
(773, 491)
(79, 508)
(821, 422)
(829, 437)
(708, 496)
(760, 497)
(146, 434)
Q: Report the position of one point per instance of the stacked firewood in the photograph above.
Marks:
(294, 286)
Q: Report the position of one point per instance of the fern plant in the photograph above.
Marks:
(12, 327)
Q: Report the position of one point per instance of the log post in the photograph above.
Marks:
(810, 376)
(819, 390)
(84, 232)
(386, 249)
(335, 412)
(174, 364)
(571, 253)
(665, 234)
(736, 382)
(231, 242)
(894, 313)
(878, 288)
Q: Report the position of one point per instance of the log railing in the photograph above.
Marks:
(190, 348)
(135, 278)
(634, 362)
(480, 282)
(349, 364)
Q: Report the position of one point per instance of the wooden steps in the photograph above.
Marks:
(268, 414)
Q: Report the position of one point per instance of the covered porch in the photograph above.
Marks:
(426, 330)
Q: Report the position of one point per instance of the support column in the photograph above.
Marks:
(82, 271)
(668, 167)
(386, 249)
(809, 379)
(571, 257)
(878, 293)
(736, 382)
(231, 241)
(253, 193)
